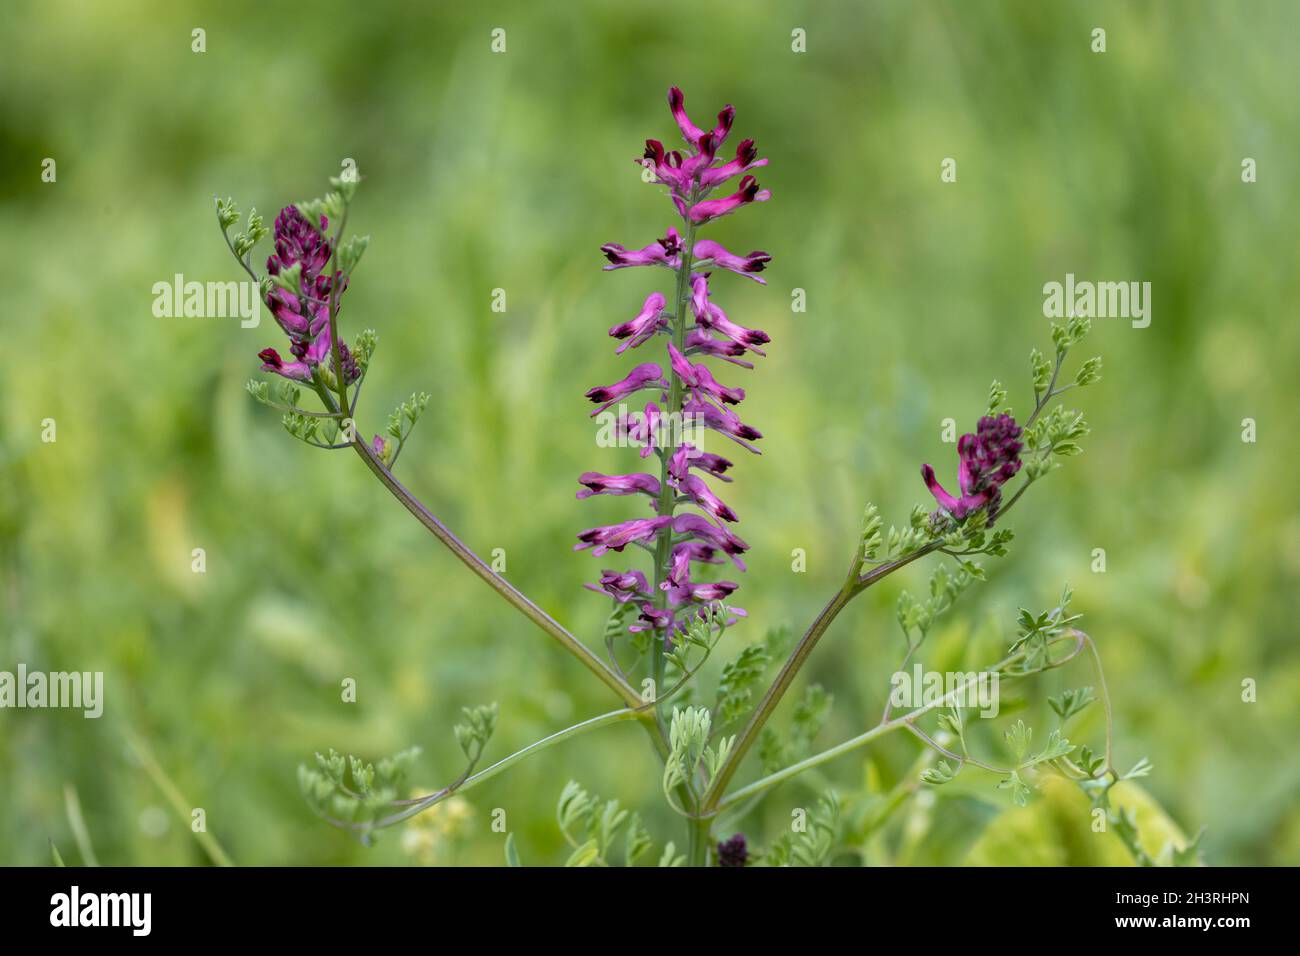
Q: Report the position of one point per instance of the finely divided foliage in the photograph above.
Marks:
(673, 611)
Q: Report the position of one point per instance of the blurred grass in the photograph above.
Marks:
(508, 171)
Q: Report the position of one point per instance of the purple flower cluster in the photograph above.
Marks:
(733, 852)
(304, 318)
(987, 460)
(683, 385)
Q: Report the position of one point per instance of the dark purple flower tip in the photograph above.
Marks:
(733, 852)
(707, 148)
(725, 120)
(677, 104)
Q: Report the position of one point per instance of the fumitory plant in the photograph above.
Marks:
(661, 568)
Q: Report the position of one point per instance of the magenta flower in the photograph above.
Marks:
(733, 852)
(616, 537)
(303, 316)
(622, 587)
(710, 316)
(711, 209)
(701, 341)
(987, 460)
(271, 362)
(723, 421)
(697, 329)
(694, 488)
(701, 381)
(598, 484)
(702, 593)
(644, 325)
(710, 534)
(679, 563)
(692, 133)
(661, 252)
(745, 160)
(646, 375)
(641, 428)
(688, 456)
(717, 253)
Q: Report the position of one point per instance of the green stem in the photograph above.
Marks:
(1105, 700)
(904, 722)
(499, 584)
(816, 760)
(340, 382)
(504, 763)
(699, 843)
(667, 499)
(180, 805)
(80, 832)
(852, 588)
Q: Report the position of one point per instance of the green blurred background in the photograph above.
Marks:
(485, 171)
